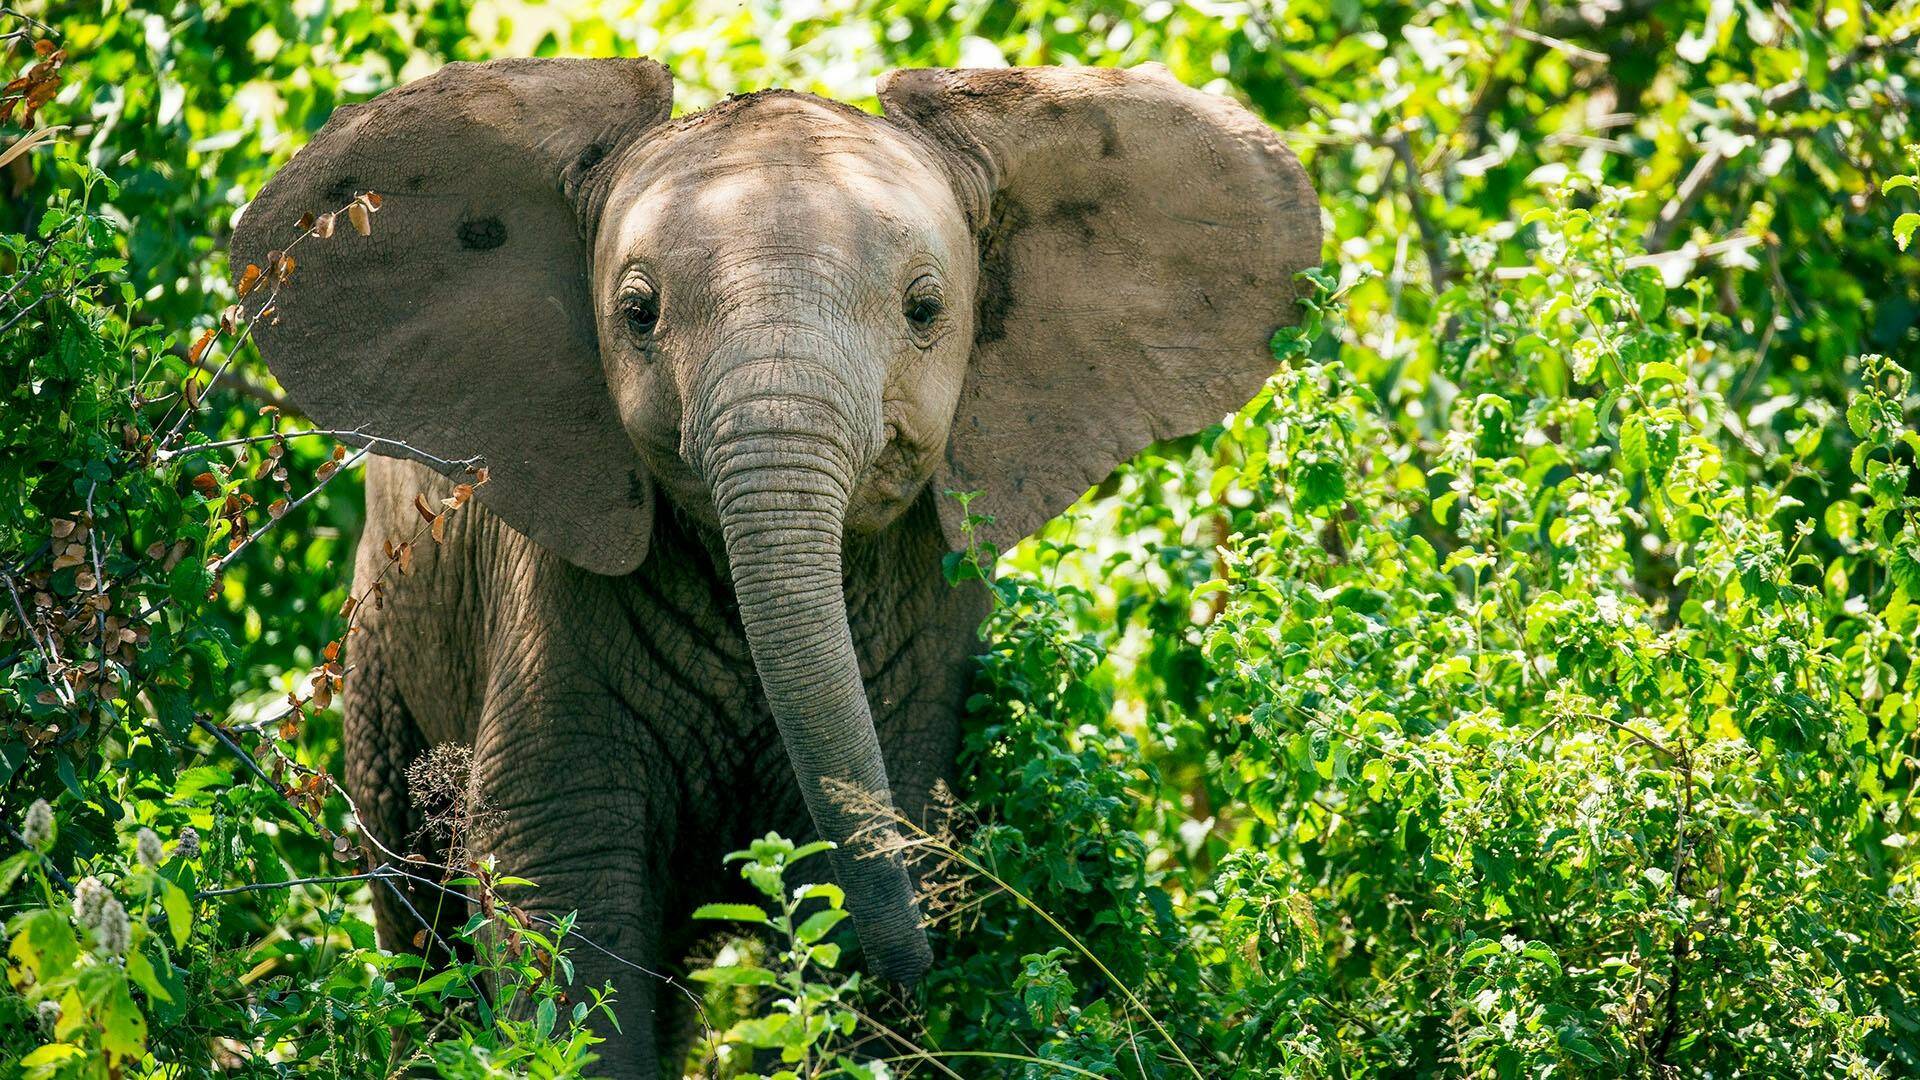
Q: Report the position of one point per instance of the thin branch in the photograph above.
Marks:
(1684, 199)
(22, 313)
(1872, 45)
(1431, 238)
(53, 871)
(1558, 45)
(267, 886)
(357, 437)
(220, 565)
(49, 652)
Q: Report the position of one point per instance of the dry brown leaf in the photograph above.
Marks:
(206, 483)
(277, 508)
(326, 469)
(284, 270)
(357, 213)
(249, 280)
(323, 227)
(200, 345)
(426, 512)
(63, 527)
(439, 530)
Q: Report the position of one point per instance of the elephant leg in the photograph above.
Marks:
(584, 805)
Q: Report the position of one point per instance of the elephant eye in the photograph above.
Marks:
(923, 307)
(640, 309)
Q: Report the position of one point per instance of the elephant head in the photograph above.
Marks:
(787, 317)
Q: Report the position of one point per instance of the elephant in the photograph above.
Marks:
(725, 370)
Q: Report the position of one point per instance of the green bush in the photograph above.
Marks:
(1521, 684)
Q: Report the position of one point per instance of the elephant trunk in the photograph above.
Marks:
(781, 477)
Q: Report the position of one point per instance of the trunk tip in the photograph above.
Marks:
(905, 962)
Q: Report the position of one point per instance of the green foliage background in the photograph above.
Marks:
(1522, 684)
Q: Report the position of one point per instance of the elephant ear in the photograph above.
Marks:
(1139, 241)
(463, 324)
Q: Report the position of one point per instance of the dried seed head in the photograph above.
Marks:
(37, 830)
(49, 1014)
(188, 845)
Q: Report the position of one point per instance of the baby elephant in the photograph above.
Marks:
(723, 370)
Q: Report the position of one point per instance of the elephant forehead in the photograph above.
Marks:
(782, 164)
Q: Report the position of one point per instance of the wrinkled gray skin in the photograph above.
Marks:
(722, 369)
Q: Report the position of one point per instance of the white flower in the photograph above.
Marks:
(146, 848)
(115, 930)
(89, 897)
(37, 831)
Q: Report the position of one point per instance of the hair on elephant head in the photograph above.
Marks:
(788, 317)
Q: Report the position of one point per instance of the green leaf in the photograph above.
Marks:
(1319, 484)
(819, 925)
(141, 971)
(1903, 227)
(51, 1054)
(1633, 444)
(747, 913)
(736, 976)
(1659, 371)
(544, 1017)
(179, 910)
(1904, 565)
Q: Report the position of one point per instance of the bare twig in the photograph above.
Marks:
(1558, 45)
(49, 652)
(1431, 238)
(22, 313)
(1685, 197)
(268, 886)
(220, 565)
(357, 437)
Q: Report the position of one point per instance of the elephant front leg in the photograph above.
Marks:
(572, 806)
